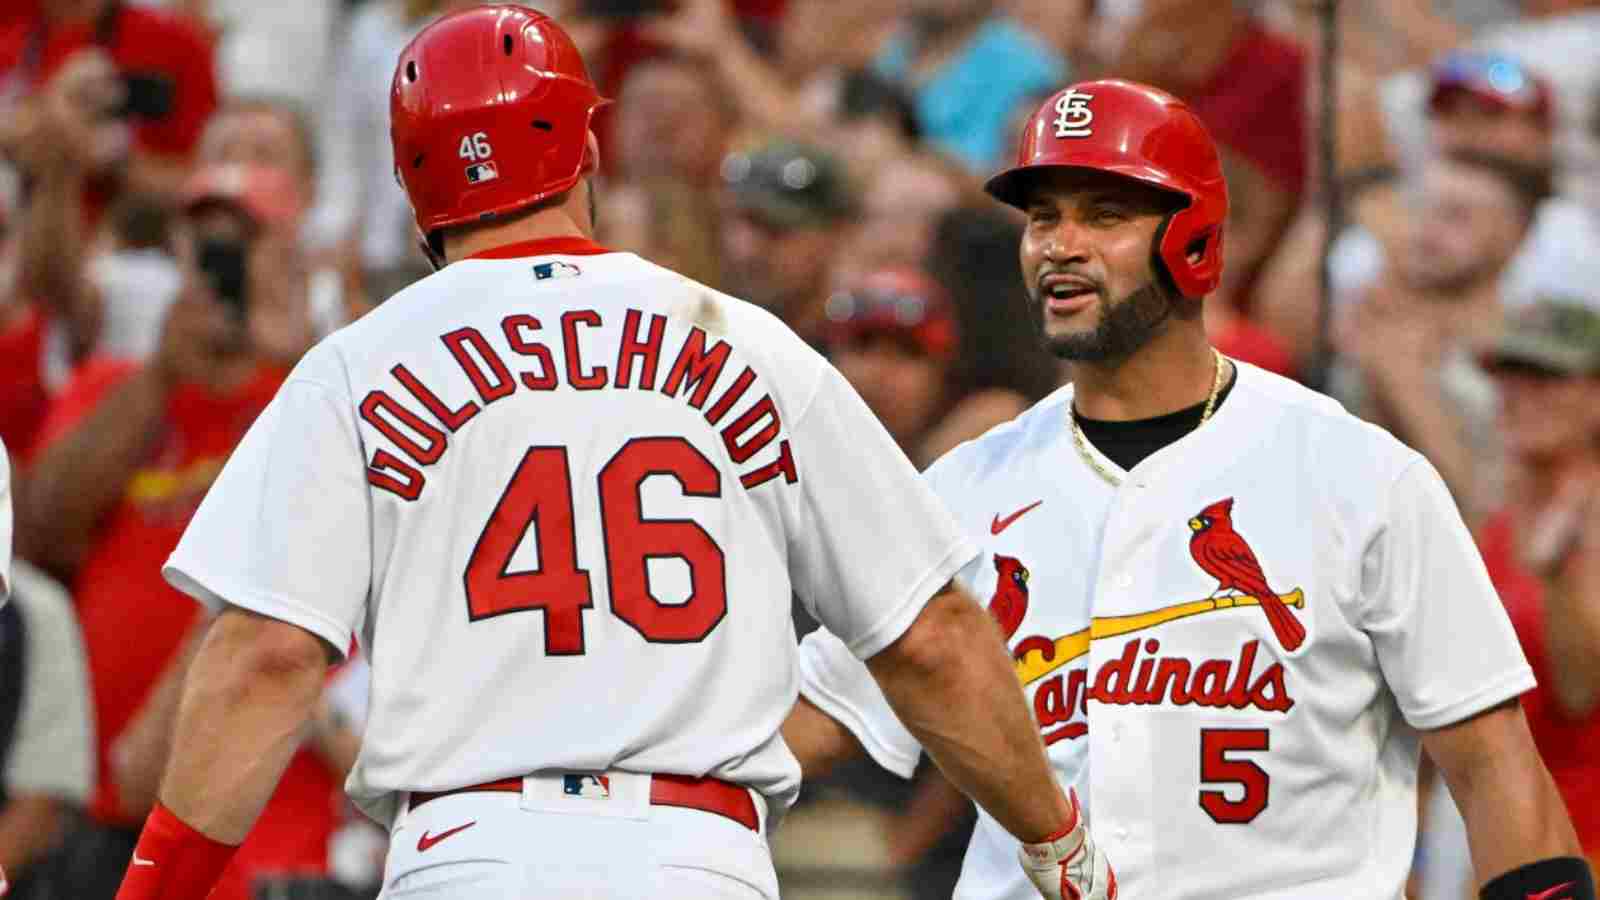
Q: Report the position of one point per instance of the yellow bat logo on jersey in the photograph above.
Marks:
(1037, 657)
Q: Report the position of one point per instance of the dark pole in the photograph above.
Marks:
(1333, 213)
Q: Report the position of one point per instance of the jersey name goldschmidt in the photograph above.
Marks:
(565, 500)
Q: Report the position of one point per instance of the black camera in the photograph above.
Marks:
(146, 95)
(223, 262)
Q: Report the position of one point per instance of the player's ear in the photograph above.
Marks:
(591, 155)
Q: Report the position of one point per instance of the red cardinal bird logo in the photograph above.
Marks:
(1010, 601)
(1225, 556)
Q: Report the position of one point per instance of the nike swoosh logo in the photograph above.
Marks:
(999, 524)
(1550, 893)
(427, 841)
(142, 862)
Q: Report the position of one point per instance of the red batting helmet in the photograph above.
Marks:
(1147, 135)
(489, 113)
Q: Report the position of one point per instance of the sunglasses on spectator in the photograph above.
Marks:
(858, 313)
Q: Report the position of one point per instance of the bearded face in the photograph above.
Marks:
(1089, 266)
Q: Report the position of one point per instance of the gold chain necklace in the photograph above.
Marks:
(1083, 444)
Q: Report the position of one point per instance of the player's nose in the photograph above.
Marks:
(1066, 242)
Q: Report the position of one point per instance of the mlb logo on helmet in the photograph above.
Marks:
(1073, 115)
(591, 787)
(545, 271)
(477, 173)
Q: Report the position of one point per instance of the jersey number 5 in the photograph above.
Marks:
(539, 498)
(1217, 768)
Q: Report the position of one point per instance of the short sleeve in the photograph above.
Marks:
(53, 750)
(1443, 639)
(5, 524)
(286, 531)
(872, 543)
(839, 684)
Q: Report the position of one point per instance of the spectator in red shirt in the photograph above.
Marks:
(1543, 547)
(23, 399)
(1248, 84)
(165, 61)
(126, 455)
(42, 241)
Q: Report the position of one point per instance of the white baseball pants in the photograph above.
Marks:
(548, 843)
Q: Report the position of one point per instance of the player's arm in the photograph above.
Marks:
(1521, 840)
(1451, 659)
(951, 682)
(870, 544)
(818, 741)
(246, 701)
(281, 547)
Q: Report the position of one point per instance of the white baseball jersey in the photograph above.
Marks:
(564, 496)
(1219, 762)
(5, 525)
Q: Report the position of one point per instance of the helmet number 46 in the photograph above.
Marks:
(475, 147)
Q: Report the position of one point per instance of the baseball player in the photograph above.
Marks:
(563, 498)
(1237, 610)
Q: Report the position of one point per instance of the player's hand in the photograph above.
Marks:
(1070, 866)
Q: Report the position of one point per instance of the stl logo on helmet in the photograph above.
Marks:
(1073, 115)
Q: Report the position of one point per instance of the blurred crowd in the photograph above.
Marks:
(193, 192)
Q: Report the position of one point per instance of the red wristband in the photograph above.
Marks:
(173, 861)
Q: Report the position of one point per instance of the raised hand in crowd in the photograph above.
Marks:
(279, 311)
(71, 125)
(198, 332)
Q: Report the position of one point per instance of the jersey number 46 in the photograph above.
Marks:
(539, 499)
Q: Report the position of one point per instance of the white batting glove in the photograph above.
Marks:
(1069, 866)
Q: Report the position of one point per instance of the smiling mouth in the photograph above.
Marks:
(1065, 287)
(1066, 295)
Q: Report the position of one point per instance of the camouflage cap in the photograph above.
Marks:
(790, 185)
(1559, 335)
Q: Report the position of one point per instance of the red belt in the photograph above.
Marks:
(712, 795)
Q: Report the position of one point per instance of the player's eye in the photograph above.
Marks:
(1107, 215)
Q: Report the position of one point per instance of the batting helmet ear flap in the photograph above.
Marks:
(591, 156)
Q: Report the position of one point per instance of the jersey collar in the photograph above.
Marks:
(563, 246)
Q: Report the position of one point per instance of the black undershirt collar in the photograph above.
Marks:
(1128, 443)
